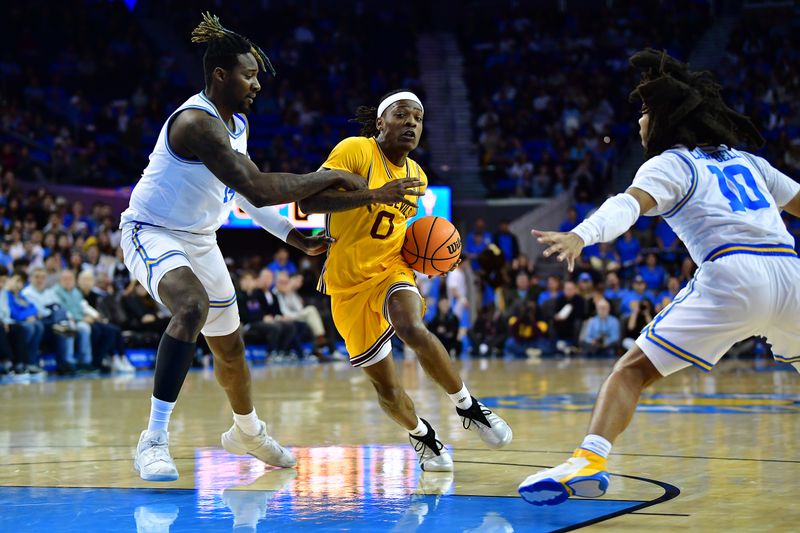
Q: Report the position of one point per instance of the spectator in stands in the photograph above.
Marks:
(458, 294)
(586, 290)
(261, 315)
(526, 331)
(143, 312)
(653, 274)
(488, 334)
(25, 315)
(641, 314)
(78, 310)
(445, 326)
(514, 299)
(14, 351)
(628, 249)
(507, 241)
(108, 346)
(521, 263)
(667, 242)
(553, 290)
(477, 241)
(58, 330)
(569, 312)
(687, 271)
(638, 293)
(666, 296)
(282, 263)
(570, 222)
(605, 259)
(601, 334)
(293, 308)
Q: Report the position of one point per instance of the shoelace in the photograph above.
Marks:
(467, 421)
(420, 445)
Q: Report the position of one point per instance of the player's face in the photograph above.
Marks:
(401, 125)
(243, 83)
(644, 122)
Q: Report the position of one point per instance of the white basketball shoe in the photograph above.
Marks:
(261, 446)
(493, 430)
(152, 460)
(432, 455)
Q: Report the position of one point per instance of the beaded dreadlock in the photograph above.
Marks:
(366, 116)
(685, 106)
(223, 47)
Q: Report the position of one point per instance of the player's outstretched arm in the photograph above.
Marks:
(793, 207)
(395, 191)
(206, 138)
(611, 220)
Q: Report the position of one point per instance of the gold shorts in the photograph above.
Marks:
(362, 318)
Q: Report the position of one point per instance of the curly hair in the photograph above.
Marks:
(685, 106)
(223, 47)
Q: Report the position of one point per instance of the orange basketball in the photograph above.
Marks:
(432, 245)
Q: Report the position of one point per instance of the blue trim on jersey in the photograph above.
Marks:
(150, 262)
(217, 304)
(209, 102)
(789, 360)
(692, 187)
(166, 136)
(782, 250)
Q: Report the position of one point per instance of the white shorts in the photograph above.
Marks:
(727, 301)
(151, 251)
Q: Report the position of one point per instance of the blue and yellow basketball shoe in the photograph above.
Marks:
(584, 475)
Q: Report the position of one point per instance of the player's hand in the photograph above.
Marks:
(396, 191)
(349, 181)
(567, 245)
(316, 244)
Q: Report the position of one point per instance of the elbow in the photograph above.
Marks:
(258, 199)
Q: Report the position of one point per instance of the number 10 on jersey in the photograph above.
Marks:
(739, 200)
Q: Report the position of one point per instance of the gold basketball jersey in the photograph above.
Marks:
(368, 241)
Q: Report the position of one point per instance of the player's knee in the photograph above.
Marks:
(390, 395)
(192, 312)
(412, 332)
(635, 367)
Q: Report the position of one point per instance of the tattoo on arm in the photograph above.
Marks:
(331, 201)
(207, 139)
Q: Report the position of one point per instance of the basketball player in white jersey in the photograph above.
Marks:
(725, 205)
(198, 168)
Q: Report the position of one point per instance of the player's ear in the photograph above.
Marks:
(380, 123)
(219, 74)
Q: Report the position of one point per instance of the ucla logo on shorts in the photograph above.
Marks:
(658, 403)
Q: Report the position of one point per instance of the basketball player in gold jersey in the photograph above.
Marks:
(372, 289)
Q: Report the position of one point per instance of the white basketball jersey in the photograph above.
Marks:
(182, 194)
(719, 200)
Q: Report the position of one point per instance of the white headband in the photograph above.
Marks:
(397, 97)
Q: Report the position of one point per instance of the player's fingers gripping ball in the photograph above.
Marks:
(432, 245)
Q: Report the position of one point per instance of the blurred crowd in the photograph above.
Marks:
(550, 87)
(82, 102)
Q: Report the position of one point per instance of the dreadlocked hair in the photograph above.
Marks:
(366, 116)
(685, 106)
(224, 46)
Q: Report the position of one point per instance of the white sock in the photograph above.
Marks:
(248, 423)
(596, 444)
(421, 430)
(462, 399)
(159, 414)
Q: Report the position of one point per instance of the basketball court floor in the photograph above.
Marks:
(706, 452)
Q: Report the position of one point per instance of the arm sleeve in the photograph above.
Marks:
(611, 220)
(267, 217)
(782, 188)
(668, 178)
(353, 154)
